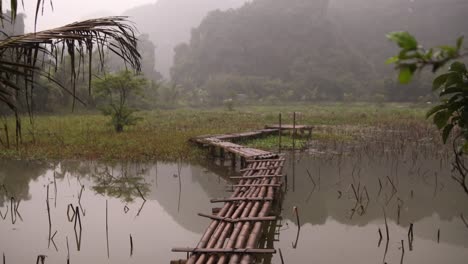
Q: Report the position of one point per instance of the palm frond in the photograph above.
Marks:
(26, 56)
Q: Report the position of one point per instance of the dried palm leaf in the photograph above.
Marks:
(24, 57)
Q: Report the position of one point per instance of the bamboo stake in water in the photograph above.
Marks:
(296, 212)
(68, 252)
(279, 134)
(281, 256)
(402, 251)
(107, 231)
(131, 245)
(380, 237)
(48, 213)
(294, 131)
(410, 237)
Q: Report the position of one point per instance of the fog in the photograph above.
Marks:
(272, 51)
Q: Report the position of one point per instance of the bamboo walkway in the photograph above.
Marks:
(236, 232)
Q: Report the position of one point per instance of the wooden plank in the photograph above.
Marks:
(289, 127)
(256, 177)
(240, 199)
(241, 219)
(262, 168)
(254, 185)
(260, 160)
(226, 250)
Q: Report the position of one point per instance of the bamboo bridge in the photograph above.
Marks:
(238, 230)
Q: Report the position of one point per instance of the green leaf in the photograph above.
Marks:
(451, 90)
(406, 73)
(404, 39)
(458, 67)
(441, 118)
(439, 81)
(460, 42)
(451, 51)
(454, 78)
(446, 132)
(392, 60)
(435, 109)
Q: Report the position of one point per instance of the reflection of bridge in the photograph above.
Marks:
(236, 229)
(322, 203)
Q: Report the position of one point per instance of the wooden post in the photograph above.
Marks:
(221, 155)
(233, 160)
(213, 151)
(294, 131)
(279, 134)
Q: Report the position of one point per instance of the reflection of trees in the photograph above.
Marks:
(126, 182)
(16, 175)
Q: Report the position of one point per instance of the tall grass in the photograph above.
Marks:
(164, 134)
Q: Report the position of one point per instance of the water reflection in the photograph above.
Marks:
(341, 200)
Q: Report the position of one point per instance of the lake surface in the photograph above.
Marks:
(335, 228)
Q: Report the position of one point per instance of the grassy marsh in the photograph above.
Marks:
(164, 134)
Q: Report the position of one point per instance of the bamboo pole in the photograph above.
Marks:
(256, 232)
(238, 226)
(194, 258)
(217, 241)
(279, 134)
(246, 228)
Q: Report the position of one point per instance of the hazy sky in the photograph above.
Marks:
(66, 11)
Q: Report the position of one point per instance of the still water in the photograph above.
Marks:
(341, 203)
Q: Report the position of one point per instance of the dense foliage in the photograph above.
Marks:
(115, 90)
(452, 112)
(303, 50)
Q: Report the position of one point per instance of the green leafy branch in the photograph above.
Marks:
(452, 86)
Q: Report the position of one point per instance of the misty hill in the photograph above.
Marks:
(169, 22)
(310, 50)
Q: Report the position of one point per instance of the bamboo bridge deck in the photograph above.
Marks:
(237, 230)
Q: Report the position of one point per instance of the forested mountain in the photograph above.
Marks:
(309, 50)
(168, 23)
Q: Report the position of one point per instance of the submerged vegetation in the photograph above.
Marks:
(164, 134)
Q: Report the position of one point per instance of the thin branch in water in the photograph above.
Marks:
(107, 231)
(464, 220)
(391, 182)
(386, 225)
(141, 208)
(55, 191)
(48, 214)
(296, 212)
(398, 213)
(79, 200)
(355, 193)
(410, 237)
(311, 178)
(53, 242)
(6, 213)
(141, 194)
(68, 251)
(78, 233)
(12, 210)
(402, 251)
(380, 187)
(131, 245)
(40, 258)
(380, 238)
(281, 255)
